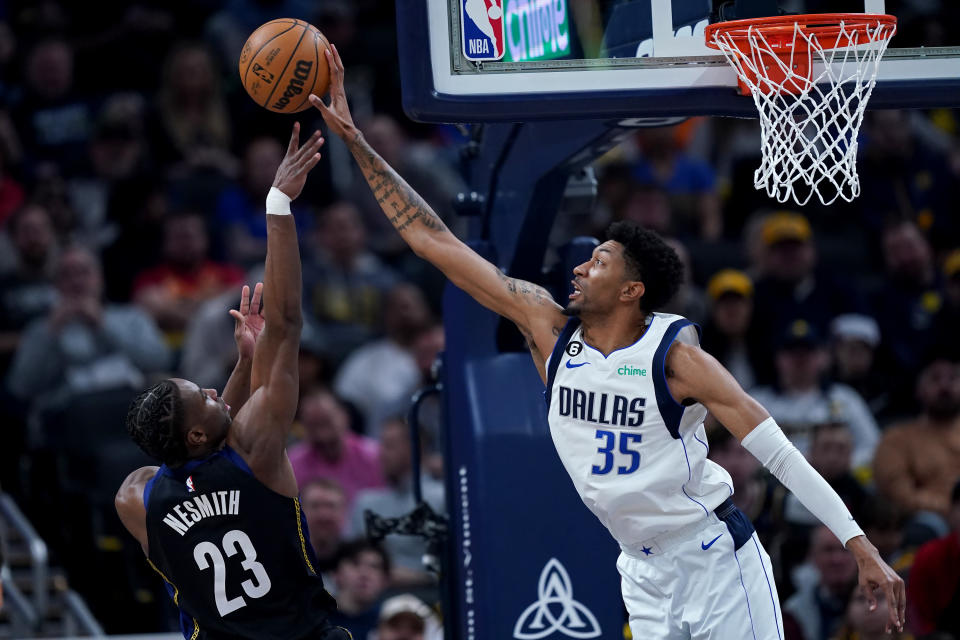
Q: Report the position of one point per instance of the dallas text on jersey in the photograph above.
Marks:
(626, 412)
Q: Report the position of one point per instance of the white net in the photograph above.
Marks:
(809, 121)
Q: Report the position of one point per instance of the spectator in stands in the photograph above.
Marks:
(900, 172)
(862, 623)
(406, 552)
(53, 120)
(917, 462)
(192, 124)
(362, 574)
(853, 349)
(690, 183)
(114, 176)
(647, 205)
(933, 591)
(27, 292)
(802, 398)
(690, 301)
(240, 206)
(819, 607)
(83, 344)
(325, 510)
(790, 287)
(831, 445)
(345, 285)
(330, 450)
(172, 291)
(725, 332)
(909, 299)
(406, 617)
(379, 377)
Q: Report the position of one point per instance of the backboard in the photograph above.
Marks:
(520, 60)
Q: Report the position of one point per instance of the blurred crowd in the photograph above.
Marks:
(133, 171)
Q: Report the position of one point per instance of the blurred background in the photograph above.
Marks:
(133, 170)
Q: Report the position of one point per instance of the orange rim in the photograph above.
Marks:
(780, 27)
(818, 24)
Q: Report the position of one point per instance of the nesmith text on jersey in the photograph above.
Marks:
(217, 503)
(599, 408)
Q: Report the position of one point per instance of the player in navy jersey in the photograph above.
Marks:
(628, 389)
(220, 520)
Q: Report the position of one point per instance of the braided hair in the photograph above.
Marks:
(650, 260)
(155, 422)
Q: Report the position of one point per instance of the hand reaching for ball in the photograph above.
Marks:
(337, 113)
(296, 164)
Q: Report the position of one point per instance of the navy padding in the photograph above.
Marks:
(557, 355)
(235, 458)
(738, 524)
(147, 488)
(670, 409)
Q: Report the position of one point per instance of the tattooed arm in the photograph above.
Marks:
(529, 306)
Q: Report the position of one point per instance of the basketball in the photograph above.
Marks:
(282, 63)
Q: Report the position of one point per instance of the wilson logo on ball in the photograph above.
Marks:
(300, 75)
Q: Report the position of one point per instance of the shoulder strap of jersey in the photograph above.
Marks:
(670, 410)
(555, 357)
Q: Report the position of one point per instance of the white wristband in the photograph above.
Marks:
(770, 446)
(278, 203)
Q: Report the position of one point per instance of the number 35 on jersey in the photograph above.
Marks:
(481, 31)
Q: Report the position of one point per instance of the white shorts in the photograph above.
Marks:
(695, 584)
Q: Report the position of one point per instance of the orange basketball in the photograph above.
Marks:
(282, 63)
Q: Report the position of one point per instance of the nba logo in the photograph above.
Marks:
(482, 29)
(190, 484)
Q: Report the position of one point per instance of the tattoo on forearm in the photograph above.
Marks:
(531, 292)
(392, 192)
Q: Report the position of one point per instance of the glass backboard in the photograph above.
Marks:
(519, 60)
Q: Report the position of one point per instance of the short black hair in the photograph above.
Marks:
(155, 421)
(351, 550)
(649, 259)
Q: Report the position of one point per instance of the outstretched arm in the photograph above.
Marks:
(529, 306)
(693, 374)
(261, 427)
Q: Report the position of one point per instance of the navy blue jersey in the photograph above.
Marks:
(235, 555)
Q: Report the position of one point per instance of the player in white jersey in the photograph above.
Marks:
(628, 389)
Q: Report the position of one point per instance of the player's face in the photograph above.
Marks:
(206, 414)
(598, 281)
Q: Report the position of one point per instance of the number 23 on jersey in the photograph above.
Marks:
(234, 541)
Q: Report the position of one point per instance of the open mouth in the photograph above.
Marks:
(576, 290)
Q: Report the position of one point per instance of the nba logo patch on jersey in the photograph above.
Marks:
(190, 484)
(482, 31)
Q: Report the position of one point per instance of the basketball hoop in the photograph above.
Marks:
(810, 77)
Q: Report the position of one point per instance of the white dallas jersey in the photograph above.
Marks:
(636, 456)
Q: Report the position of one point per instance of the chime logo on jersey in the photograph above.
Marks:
(190, 484)
(482, 31)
